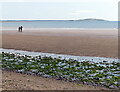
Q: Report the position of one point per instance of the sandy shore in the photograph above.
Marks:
(17, 81)
(103, 43)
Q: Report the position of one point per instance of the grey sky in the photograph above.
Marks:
(60, 9)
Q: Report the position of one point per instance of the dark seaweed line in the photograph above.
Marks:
(90, 73)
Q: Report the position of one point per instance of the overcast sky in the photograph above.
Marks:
(59, 9)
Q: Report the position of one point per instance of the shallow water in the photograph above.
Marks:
(62, 56)
(61, 24)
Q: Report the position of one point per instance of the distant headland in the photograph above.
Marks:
(88, 19)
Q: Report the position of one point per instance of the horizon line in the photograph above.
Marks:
(59, 19)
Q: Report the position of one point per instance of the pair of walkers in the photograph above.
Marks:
(20, 29)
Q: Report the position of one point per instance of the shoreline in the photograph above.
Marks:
(26, 28)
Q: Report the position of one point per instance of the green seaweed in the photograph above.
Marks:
(95, 73)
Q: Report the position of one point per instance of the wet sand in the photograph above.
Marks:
(80, 42)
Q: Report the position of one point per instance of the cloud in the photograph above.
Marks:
(82, 11)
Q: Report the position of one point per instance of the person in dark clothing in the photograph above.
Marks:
(21, 28)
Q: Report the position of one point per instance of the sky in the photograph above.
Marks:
(58, 9)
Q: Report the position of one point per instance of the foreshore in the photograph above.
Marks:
(100, 43)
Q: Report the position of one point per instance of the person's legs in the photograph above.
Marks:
(19, 29)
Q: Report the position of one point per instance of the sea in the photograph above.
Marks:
(36, 24)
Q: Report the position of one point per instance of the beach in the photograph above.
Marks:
(16, 81)
(59, 45)
(78, 42)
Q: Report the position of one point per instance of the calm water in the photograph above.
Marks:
(60, 24)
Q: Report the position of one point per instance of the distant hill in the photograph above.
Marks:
(87, 20)
(91, 19)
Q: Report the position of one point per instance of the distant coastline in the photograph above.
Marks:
(88, 19)
(80, 23)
